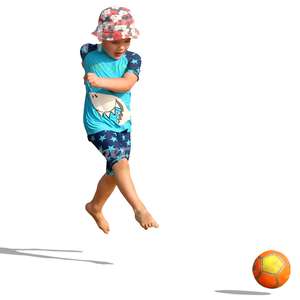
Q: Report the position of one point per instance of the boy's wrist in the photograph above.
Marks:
(99, 83)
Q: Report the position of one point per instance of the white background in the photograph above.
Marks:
(215, 151)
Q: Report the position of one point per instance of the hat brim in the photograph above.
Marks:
(134, 34)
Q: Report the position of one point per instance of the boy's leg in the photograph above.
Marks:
(105, 188)
(126, 187)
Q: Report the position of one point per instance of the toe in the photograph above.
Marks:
(105, 230)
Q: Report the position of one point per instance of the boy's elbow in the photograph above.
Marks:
(130, 80)
(129, 86)
(126, 87)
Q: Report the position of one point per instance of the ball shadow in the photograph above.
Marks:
(238, 292)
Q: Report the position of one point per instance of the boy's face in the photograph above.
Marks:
(116, 49)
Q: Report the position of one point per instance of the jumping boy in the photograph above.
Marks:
(110, 73)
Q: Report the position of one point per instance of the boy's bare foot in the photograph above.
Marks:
(98, 217)
(145, 219)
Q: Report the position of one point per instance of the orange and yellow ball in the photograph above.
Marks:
(271, 269)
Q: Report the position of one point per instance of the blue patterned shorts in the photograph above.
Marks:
(113, 145)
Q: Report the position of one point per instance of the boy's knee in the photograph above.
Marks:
(121, 164)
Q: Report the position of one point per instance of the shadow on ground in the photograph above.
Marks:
(237, 292)
(11, 251)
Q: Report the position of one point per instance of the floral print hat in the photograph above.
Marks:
(115, 23)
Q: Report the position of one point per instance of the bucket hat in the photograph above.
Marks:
(115, 23)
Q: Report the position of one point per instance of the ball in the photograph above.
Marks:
(271, 269)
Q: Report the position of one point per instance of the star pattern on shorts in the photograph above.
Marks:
(102, 138)
(111, 148)
(113, 138)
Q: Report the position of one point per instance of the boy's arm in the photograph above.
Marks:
(117, 85)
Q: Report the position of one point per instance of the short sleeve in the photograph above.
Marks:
(134, 63)
(86, 48)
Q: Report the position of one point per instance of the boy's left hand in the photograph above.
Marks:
(93, 79)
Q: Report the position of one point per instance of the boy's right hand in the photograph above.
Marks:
(93, 79)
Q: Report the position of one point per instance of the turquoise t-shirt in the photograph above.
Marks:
(104, 109)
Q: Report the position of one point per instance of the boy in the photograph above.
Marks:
(110, 73)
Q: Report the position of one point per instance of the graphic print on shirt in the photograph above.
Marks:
(111, 106)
